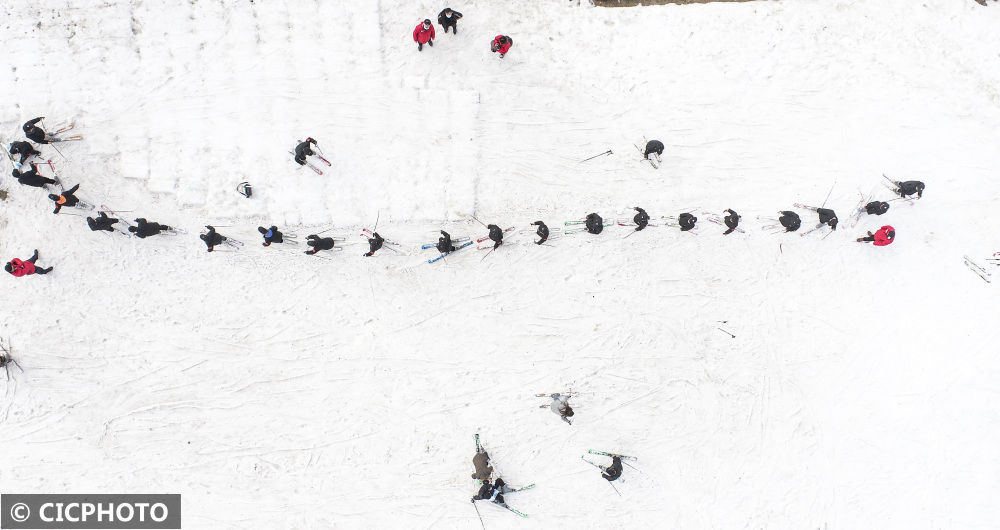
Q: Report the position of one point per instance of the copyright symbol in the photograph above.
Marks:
(20, 512)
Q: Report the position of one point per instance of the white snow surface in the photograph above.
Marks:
(277, 390)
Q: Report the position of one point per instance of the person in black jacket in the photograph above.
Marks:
(686, 221)
(66, 199)
(303, 150)
(271, 235)
(444, 245)
(653, 146)
(496, 235)
(612, 473)
(144, 229)
(732, 221)
(827, 217)
(212, 238)
(319, 243)
(790, 220)
(35, 133)
(542, 232)
(31, 177)
(102, 222)
(492, 492)
(448, 18)
(374, 243)
(876, 208)
(24, 149)
(595, 225)
(641, 219)
(910, 187)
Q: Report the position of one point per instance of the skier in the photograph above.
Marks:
(66, 199)
(502, 44)
(686, 221)
(732, 221)
(653, 147)
(25, 149)
(790, 220)
(31, 177)
(319, 243)
(102, 222)
(303, 150)
(882, 237)
(595, 225)
(18, 268)
(560, 406)
(876, 208)
(271, 235)
(542, 232)
(905, 189)
(482, 463)
(492, 492)
(424, 34)
(35, 133)
(496, 235)
(827, 217)
(374, 243)
(212, 238)
(444, 245)
(448, 18)
(641, 219)
(612, 473)
(144, 229)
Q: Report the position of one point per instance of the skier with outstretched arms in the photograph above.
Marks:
(542, 232)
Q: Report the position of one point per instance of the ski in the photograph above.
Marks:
(308, 163)
(522, 514)
(324, 160)
(595, 464)
(811, 230)
(432, 260)
(64, 129)
(976, 268)
(623, 457)
(454, 240)
(568, 394)
(114, 214)
(528, 487)
(68, 139)
(480, 240)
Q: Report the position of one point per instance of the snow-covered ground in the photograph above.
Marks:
(276, 390)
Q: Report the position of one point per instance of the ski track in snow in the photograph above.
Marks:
(274, 389)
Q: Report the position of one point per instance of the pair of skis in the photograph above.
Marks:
(978, 269)
(62, 130)
(443, 254)
(310, 164)
(653, 161)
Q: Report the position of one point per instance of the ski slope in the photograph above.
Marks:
(277, 390)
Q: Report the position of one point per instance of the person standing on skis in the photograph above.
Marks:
(66, 198)
(732, 221)
(594, 223)
(542, 232)
(560, 406)
(303, 150)
(374, 243)
(271, 235)
(641, 219)
(496, 235)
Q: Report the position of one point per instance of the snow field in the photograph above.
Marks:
(273, 389)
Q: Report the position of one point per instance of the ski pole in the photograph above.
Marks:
(474, 505)
(726, 332)
(828, 193)
(478, 221)
(377, 216)
(608, 152)
(614, 488)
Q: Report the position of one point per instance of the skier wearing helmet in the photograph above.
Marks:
(424, 34)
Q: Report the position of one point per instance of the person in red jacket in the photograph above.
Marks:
(19, 268)
(502, 44)
(424, 34)
(884, 236)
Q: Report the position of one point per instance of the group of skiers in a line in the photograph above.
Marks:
(424, 32)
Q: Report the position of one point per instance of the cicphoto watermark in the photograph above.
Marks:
(81, 511)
